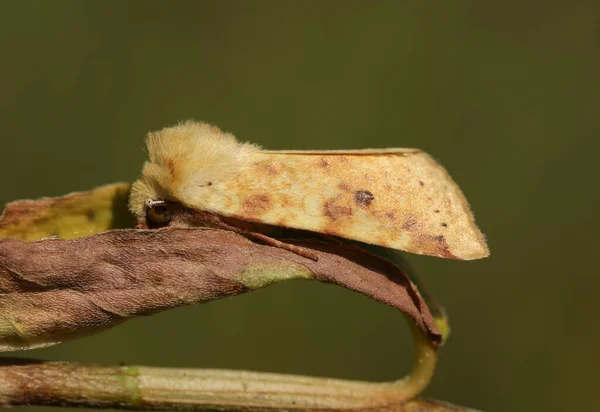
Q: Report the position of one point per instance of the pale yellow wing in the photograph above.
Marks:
(397, 198)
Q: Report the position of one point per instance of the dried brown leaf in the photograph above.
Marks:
(56, 289)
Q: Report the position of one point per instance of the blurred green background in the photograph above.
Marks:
(505, 94)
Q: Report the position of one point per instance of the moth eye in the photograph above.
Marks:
(157, 215)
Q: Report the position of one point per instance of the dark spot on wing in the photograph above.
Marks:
(257, 204)
(445, 224)
(421, 183)
(266, 169)
(363, 198)
(335, 211)
(410, 223)
(390, 216)
(443, 248)
(343, 186)
(270, 170)
(323, 163)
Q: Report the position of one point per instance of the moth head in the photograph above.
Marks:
(158, 214)
(186, 163)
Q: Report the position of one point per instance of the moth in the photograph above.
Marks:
(196, 174)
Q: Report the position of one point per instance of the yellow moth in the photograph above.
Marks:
(396, 198)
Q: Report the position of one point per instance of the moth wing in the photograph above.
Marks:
(396, 198)
(358, 152)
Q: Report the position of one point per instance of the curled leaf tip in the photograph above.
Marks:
(74, 215)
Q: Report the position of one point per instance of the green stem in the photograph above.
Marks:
(25, 382)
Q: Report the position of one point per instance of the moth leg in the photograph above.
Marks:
(298, 250)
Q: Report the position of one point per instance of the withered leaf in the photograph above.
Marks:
(53, 290)
(74, 215)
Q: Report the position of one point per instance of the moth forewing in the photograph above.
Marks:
(396, 198)
(401, 199)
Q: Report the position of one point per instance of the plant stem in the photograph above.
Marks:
(29, 382)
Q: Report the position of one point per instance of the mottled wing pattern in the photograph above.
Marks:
(396, 198)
